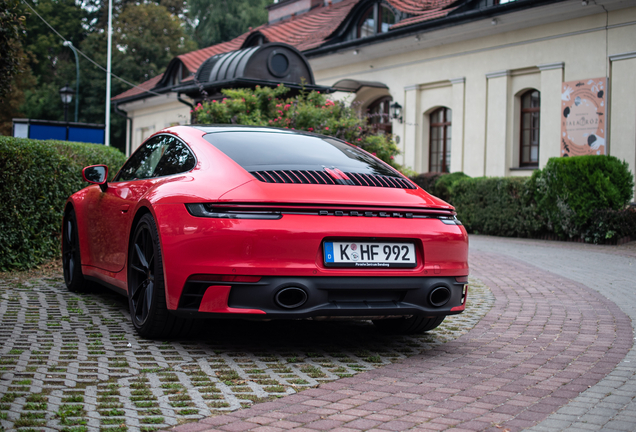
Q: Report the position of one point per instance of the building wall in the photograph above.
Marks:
(481, 80)
(151, 115)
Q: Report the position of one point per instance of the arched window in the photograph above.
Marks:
(378, 114)
(366, 27)
(377, 19)
(440, 140)
(387, 19)
(529, 126)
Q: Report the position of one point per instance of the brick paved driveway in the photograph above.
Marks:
(609, 405)
(73, 362)
(546, 340)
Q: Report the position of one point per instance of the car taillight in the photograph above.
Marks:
(207, 210)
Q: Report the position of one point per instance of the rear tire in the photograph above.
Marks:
(71, 257)
(412, 325)
(146, 287)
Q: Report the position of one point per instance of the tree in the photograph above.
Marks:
(14, 99)
(52, 64)
(11, 26)
(216, 21)
(146, 37)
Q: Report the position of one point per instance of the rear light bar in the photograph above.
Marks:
(276, 211)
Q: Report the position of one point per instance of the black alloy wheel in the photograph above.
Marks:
(146, 288)
(142, 281)
(71, 259)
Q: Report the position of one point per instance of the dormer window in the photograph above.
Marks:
(488, 3)
(180, 74)
(375, 20)
(254, 39)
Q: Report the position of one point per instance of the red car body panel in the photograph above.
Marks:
(291, 246)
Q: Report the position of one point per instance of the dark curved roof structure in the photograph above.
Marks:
(266, 65)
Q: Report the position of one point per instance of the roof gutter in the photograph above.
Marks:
(130, 132)
(143, 95)
(185, 102)
(441, 23)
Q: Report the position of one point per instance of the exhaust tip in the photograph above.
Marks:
(290, 297)
(439, 296)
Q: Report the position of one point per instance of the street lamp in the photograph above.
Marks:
(66, 93)
(77, 75)
(396, 111)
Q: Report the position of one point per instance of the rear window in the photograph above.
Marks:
(263, 151)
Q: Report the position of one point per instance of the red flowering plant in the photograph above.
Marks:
(308, 111)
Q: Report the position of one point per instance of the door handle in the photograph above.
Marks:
(125, 208)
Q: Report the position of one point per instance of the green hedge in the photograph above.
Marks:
(36, 177)
(501, 206)
(570, 191)
(439, 184)
(582, 197)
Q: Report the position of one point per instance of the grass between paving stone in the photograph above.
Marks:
(158, 380)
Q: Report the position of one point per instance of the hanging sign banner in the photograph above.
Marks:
(583, 120)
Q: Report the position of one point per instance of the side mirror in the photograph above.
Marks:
(96, 174)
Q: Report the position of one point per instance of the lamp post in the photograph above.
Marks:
(108, 71)
(66, 93)
(396, 111)
(77, 76)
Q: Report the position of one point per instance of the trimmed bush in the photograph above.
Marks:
(500, 206)
(443, 187)
(439, 184)
(570, 192)
(582, 198)
(610, 225)
(36, 178)
(427, 180)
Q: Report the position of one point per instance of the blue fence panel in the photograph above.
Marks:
(45, 132)
(86, 135)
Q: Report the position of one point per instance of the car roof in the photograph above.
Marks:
(243, 128)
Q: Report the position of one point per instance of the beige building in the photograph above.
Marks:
(487, 87)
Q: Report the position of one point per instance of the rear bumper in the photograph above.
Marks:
(291, 249)
(324, 297)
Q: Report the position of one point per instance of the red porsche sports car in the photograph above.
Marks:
(259, 223)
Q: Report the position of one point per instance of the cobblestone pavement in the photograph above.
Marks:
(611, 404)
(73, 362)
(547, 339)
(551, 353)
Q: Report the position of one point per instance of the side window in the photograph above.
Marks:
(159, 156)
(176, 159)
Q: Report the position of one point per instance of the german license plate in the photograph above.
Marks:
(369, 254)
